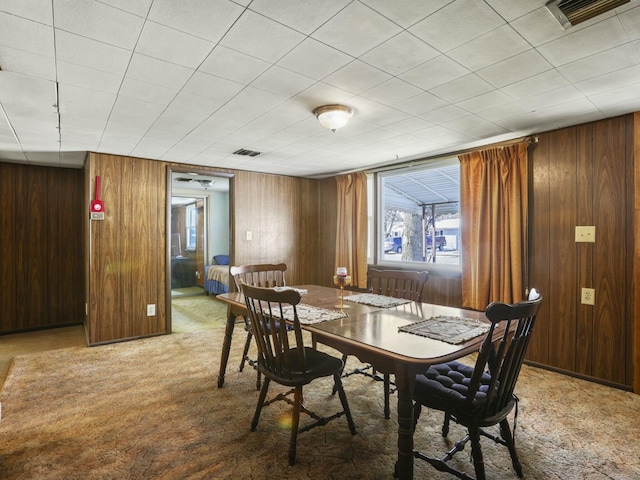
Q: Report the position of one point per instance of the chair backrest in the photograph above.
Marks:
(267, 311)
(261, 275)
(502, 359)
(397, 283)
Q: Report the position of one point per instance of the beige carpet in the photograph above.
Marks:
(150, 409)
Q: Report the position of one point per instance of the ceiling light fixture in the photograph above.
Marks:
(333, 116)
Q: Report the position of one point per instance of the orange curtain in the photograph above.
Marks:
(494, 205)
(351, 234)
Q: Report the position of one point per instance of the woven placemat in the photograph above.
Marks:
(308, 315)
(376, 300)
(454, 330)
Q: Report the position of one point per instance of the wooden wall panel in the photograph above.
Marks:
(42, 247)
(128, 249)
(539, 248)
(585, 172)
(609, 261)
(327, 200)
(8, 248)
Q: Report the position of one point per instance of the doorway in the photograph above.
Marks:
(199, 237)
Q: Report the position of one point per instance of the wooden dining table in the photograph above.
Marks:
(371, 333)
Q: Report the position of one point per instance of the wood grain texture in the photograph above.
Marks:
(42, 258)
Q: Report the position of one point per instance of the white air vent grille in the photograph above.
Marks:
(247, 153)
(573, 12)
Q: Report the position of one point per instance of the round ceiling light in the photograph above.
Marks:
(333, 116)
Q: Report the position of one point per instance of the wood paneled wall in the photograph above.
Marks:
(41, 247)
(127, 262)
(583, 175)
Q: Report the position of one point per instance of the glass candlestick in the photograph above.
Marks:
(342, 281)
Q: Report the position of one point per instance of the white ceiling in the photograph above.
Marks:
(192, 81)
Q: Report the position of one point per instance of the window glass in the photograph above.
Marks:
(419, 214)
(191, 222)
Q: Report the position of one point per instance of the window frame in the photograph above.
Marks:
(376, 197)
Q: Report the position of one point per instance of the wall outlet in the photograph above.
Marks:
(249, 235)
(151, 310)
(588, 296)
(585, 233)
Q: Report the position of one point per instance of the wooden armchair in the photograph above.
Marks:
(391, 283)
(258, 275)
(283, 358)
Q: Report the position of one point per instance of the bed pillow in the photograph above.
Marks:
(221, 259)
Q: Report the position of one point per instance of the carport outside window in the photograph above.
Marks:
(419, 214)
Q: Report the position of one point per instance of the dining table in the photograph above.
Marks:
(376, 334)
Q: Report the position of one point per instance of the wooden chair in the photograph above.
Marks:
(283, 358)
(391, 283)
(482, 395)
(260, 275)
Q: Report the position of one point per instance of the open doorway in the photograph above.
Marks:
(199, 237)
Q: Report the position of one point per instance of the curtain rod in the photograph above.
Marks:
(422, 161)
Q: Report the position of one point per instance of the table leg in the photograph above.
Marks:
(405, 383)
(226, 344)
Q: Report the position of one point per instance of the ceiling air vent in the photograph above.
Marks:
(246, 153)
(184, 179)
(572, 12)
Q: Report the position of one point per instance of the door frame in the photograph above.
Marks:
(204, 172)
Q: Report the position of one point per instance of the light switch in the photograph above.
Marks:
(249, 235)
(585, 233)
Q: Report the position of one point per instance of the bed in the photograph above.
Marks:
(216, 275)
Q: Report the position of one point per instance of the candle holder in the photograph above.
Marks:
(342, 281)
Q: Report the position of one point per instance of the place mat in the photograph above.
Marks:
(376, 300)
(454, 330)
(301, 291)
(309, 315)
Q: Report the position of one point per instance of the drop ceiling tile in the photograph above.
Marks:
(411, 125)
(514, 69)
(321, 93)
(230, 64)
(601, 63)
(282, 82)
(472, 20)
(26, 63)
(314, 59)
(80, 76)
(611, 81)
(132, 117)
(539, 27)
(174, 123)
(536, 85)
(207, 19)
(489, 49)
(147, 92)
(36, 10)
(399, 54)
(158, 72)
(99, 21)
(631, 22)
(444, 114)
(27, 94)
(172, 45)
(462, 88)
(26, 35)
(625, 96)
(356, 29)
(196, 103)
(421, 103)
(260, 37)
(356, 77)
(505, 111)
(406, 12)
(435, 72)
(303, 15)
(91, 53)
(255, 102)
(485, 101)
(391, 92)
(512, 9)
(373, 112)
(474, 126)
(597, 38)
(137, 7)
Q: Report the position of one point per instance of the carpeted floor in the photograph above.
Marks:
(150, 409)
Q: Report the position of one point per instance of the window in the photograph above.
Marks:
(419, 214)
(191, 223)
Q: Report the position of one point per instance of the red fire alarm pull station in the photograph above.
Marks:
(97, 207)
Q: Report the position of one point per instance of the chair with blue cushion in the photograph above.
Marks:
(481, 396)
